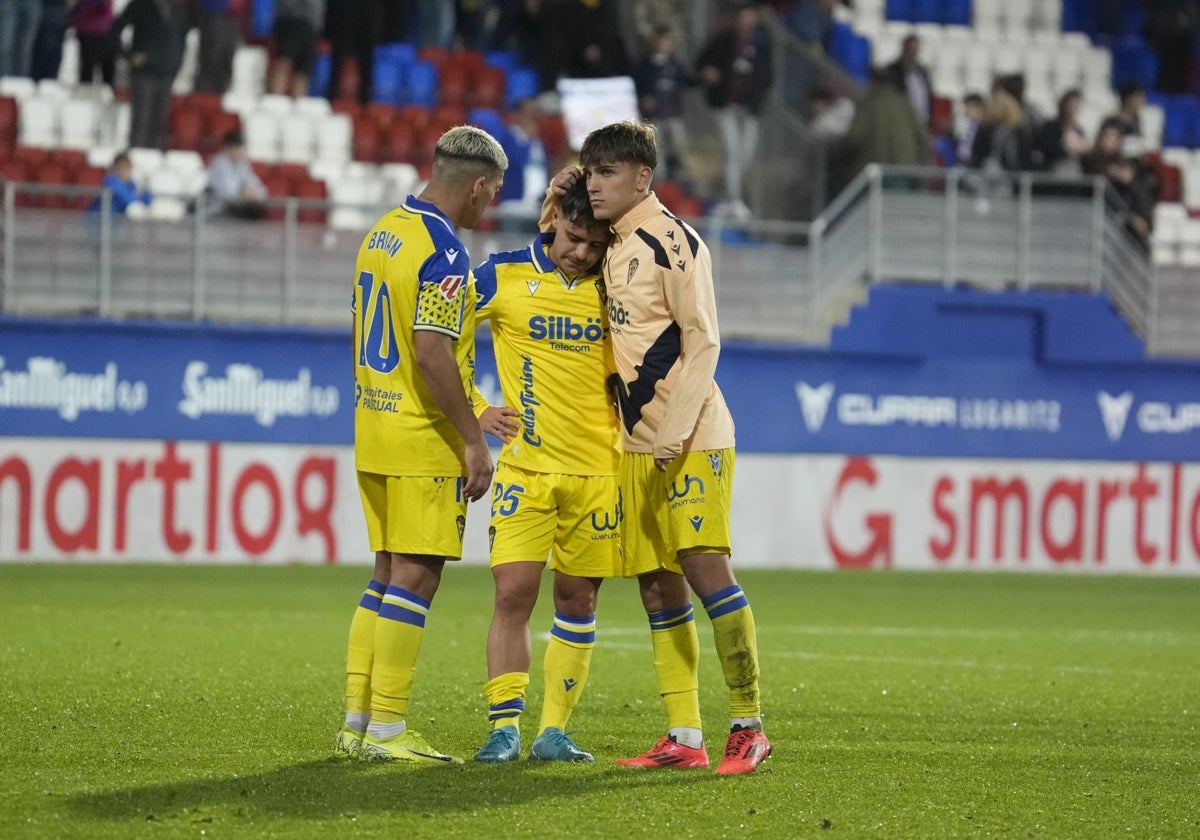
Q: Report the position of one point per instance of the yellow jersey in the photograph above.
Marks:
(412, 273)
(553, 356)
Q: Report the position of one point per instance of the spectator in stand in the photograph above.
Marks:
(48, 46)
(590, 38)
(19, 21)
(735, 70)
(1131, 179)
(354, 28)
(1003, 141)
(649, 17)
(233, 187)
(528, 172)
(160, 30)
(885, 128)
(297, 24)
(92, 19)
(1171, 31)
(1129, 117)
(966, 148)
(436, 22)
(911, 77)
(660, 78)
(118, 180)
(1061, 142)
(220, 34)
(812, 20)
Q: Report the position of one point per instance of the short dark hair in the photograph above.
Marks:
(122, 157)
(233, 137)
(575, 206)
(973, 99)
(621, 142)
(1128, 90)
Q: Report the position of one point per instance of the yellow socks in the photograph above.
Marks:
(565, 668)
(361, 652)
(676, 662)
(506, 699)
(398, 635)
(737, 648)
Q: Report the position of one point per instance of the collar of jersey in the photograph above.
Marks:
(416, 205)
(639, 214)
(537, 250)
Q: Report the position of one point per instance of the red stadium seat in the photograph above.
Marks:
(31, 156)
(365, 142)
(448, 116)
(489, 88)
(941, 116)
(72, 160)
(454, 85)
(277, 188)
(14, 170)
(86, 176)
(397, 144)
(415, 116)
(437, 56)
(51, 172)
(553, 132)
(312, 189)
(350, 107)
(348, 81)
(292, 172)
(187, 129)
(382, 113)
(8, 124)
(217, 125)
(669, 193)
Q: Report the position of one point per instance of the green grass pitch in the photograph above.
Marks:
(158, 701)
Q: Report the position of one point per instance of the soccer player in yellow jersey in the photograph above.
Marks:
(418, 449)
(677, 443)
(555, 490)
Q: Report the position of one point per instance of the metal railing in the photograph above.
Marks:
(775, 281)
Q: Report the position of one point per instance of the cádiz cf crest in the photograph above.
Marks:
(633, 267)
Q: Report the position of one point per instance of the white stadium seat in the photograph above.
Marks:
(335, 134)
(261, 131)
(79, 121)
(39, 123)
(298, 137)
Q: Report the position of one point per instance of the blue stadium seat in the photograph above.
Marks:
(1079, 16)
(1177, 124)
(927, 11)
(851, 51)
(422, 87)
(498, 58)
(262, 18)
(522, 84)
(1133, 61)
(899, 10)
(389, 77)
(489, 120)
(318, 83)
(956, 12)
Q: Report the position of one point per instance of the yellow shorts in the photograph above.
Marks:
(573, 519)
(414, 514)
(682, 511)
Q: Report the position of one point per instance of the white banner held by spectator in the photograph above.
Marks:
(588, 104)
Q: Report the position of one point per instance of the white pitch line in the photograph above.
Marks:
(1151, 637)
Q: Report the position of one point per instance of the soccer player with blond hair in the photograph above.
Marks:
(418, 450)
(677, 460)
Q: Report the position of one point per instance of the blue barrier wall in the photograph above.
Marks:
(972, 375)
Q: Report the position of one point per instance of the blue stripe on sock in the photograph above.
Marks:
(399, 592)
(666, 619)
(732, 605)
(507, 709)
(588, 638)
(398, 613)
(721, 595)
(373, 596)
